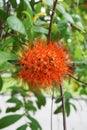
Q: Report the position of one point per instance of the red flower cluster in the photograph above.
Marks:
(43, 65)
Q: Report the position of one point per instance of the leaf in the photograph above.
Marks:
(9, 120)
(60, 8)
(17, 90)
(38, 15)
(40, 30)
(73, 106)
(0, 110)
(4, 66)
(34, 125)
(14, 100)
(16, 24)
(62, 28)
(6, 42)
(28, 4)
(23, 127)
(77, 53)
(1, 83)
(13, 109)
(3, 15)
(29, 26)
(14, 3)
(24, 5)
(58, 110)
(30, 107)
(67, 107)
(48, 2)
(41, 99)
(58, 100)
(5, 56)
(38, 7)
(68, 17)
(79, 27)
(16, 107)
(67, 95)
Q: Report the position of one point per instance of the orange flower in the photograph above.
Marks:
(43, 65)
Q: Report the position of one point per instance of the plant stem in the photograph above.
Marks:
(63, 107)
(51, 123)
(78, 79)
(51, 20)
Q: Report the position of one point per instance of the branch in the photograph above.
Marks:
(51, 20)
(63, 107)
(51, 122)
(77, 79)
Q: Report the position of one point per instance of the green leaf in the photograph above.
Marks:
(67, 95)
(62, 28)
(30, 107)
(34, 125)
(77, 53)
(58, 100)
(14, 3)
(58, 110)
(65, 5)
(60, 8)
(23, 127)
(40, 30)
(5, 56)
(28, 4)
(17, 90)
(68, 17)
(3, 15)
(16, 24)
(14, 100)
(41, 99)
(9, 120)
(48, 2)
(67, 107)
(29, 26)
(6, 42)
(24, 5)
(73, 106)
(1, 83)
(4, 66)
(13, 109)
(18, 104)
(38, 7)
(0, 110)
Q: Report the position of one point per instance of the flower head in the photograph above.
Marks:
(43, 65)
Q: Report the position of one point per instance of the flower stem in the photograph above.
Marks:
(51, 20)
(51, 122)
(63, 107)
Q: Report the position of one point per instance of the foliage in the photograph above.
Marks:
(24, 21)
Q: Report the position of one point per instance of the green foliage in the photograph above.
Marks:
(18, 104)
(23, 127)
(1, 83)
(41, 100)
(15, 24)
(9, 120)
(34, 125)
(30, 107)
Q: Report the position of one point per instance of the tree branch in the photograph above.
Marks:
(63, 107)
(51, 122)
(77, 79)
(51, 20)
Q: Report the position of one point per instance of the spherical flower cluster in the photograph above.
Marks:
(44, 65)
